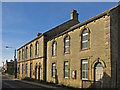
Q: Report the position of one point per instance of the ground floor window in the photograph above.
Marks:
(66, 69)
(22, 68)
(26, 69)
(30, 69)
(85, 69)
(53, 69)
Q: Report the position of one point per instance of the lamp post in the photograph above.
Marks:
(15, 62)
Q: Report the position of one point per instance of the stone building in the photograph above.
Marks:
(9, 67)
(32, 56)
(82, 55)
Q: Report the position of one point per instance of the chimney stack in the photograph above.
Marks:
(74, 15)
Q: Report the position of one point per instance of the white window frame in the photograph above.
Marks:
(66, 63)
(84, 61)
(66, 46)
(85, 41)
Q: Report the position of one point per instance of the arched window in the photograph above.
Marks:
(26, 52)
(30, 50)
(66, 44)
(23, 54)
(54, 48)
(84, 39)
(36, 48)
(19, 55)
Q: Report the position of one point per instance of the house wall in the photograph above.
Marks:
(99, 48)
(115, 51)
(35, 60)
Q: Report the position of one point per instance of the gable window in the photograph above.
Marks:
(85, 69)
(84, 39)
(22, 54)
(66, 44)
(66, 69)
(26, 52)
(19, 55)
(53, 69)
(36, 48)
(54, 47)
(30, 50)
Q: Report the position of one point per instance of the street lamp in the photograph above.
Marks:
(15, 62)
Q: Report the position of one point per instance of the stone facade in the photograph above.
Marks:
(96, 65)
(37, 61)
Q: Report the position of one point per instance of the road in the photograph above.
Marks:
(16, 84)
(9, 82)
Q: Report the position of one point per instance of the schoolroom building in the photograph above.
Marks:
(79, 54)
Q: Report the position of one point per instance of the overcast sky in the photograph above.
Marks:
(21, 21)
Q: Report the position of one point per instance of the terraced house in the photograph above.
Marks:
(80, 54)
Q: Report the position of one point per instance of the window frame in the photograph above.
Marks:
(54, 50)
(66, 70)
(53, 71)
(19, 55)
(22, 68)
(85, 70)
(26, 68)
(65, 46)
(31, 49)
(26, 55)
(36, 48)
(23, 53)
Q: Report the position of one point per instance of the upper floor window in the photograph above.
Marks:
(66, 44)
(26, 52)
(30, 50)
(66, 69)
(54, 48)
(84, 69)
(84, 39)
(23, 54)
(36, 48)
(19, 55)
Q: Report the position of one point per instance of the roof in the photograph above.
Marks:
(88, 21)
(30, 41)
(60, 28)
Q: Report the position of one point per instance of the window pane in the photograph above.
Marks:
(85, 31)
(66, 69)
(84, 37)
(54, 48)
(66, 43)
(53, 69)
(66, 49)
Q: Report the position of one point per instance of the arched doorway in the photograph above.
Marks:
(98, 75)
(39, 73)
(35, 72)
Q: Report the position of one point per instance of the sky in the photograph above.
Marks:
(21, 21)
